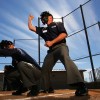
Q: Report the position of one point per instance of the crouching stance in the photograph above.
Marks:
(26, 70)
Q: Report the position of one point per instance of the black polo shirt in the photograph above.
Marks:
(51, 31)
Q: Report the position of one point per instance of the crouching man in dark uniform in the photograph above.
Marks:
(26, 69)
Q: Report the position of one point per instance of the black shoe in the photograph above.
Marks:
(34, 91)
(50, 90)
(20, 91)
(83, 91)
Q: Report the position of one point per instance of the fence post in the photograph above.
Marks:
(39, 42)
(14, 42)
(99, 25)
(88, 44)
(62, 19)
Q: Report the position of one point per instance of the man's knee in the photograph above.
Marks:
(21, 65)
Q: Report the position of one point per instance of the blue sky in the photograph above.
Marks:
(13, 25)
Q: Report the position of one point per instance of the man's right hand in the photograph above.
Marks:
(31, 17)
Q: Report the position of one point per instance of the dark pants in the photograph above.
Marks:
(60, 52)
(8, 69)
(27, 73)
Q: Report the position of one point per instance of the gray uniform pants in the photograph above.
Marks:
(26, 72)
(60, 52)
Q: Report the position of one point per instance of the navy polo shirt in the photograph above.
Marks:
(18, 55)
(51, 31)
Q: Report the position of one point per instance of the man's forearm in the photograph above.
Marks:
(6, 52)
(59, 38)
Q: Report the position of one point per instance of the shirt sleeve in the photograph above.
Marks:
(39, 30)
(61, 28)
(7, 52)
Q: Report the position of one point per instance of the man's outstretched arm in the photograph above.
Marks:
(30, 26)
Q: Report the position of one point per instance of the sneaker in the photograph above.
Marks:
(82, 91)
(34, 91)
(20, 91)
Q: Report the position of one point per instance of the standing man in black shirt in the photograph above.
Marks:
(54, 36)
(25, 68)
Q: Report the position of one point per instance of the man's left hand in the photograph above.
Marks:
(48, 43)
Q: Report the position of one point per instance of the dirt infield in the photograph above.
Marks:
(64, 94)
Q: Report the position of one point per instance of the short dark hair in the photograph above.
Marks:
(5, 44)
(44, 16)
